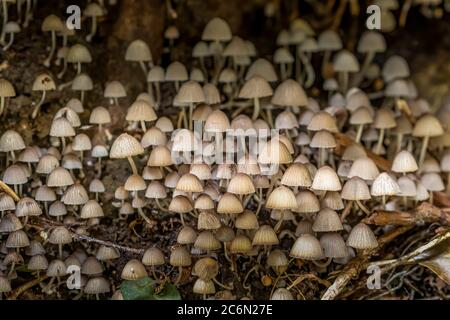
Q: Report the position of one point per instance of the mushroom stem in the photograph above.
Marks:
(423, 150)
(344, 81)
(78, 67)
(28, 14)
(52, 50)
(38, 106)
(399, 142)
(64, 69)
(346, 210)
(180, 273)
(359, 132)
(222, 285)
(363, 207)
(63, 141)
(160, 207)
(5, 20)
(380, 141)
(191, 111)
(256, 109)
(143, 67)
(322, 264)
(326, 59)
(143, 126)
(132, 165)
(158, 93)
(60, 252)
(82, 96)
(10, 42)
(93, 30)
(404, 13)
(143, 216)
(2, 105)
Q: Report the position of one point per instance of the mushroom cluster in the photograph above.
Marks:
(248, 163)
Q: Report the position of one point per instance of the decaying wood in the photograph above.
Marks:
(358, 264)
(17, 292)
(425, 212)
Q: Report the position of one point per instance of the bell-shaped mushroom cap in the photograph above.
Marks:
(329, 40)
(189, 183)
(326, 179)
(114, 89)
(322, 120)
(60, 177)
(307, 247)
(91, 266)
(217, 121)
(428, 126)
(281, 198)
(217, 30)
(76, 195)
(15, 175)
(229, 204)
(262, 68)
(78, 53)
(11, 141)
(384, 185)
(274, 152)
(399, 88)
(432, 182)
(247, 220)
(6, 89)
(140, 111)
(176, 71)
(404, 162)
(180, 204)
(160, 157)
(323, 139)
(362, 237)
(51, 23)
(61, 127)
(37, 262)
(286, 120)
(283, 56)
(296, 175)
(371, 41)
(153, 257)
(82, 82)
(236, 47)
(241, 184)
(241, 244)
(445, 162)
(365, 168)
(333, 245)
(290, 93)
(43, 82)
(361, 115)
(6, 202)
(17, 239)
(204, 287)
(99, 151)
(355, 189)
(185, 140)
(153, 137)
(327, 220)
(206, 241)
(180, 257)
(395, 67)
(407, 187)
(99, 115)
(135, 183)
(191, 92)
(156, 74)
(56, 268)
(60, 235)
(97, 285)
(137, 51)
(212, 94)
(266, 236)
(255, 87)
(345, 61)
(282, 294)
(155, 190)
(187, 235)
(125, 146)
(105, 253)
(200, 50)
(44, 193)
(384, 119)
(27, 207)
(133, 270)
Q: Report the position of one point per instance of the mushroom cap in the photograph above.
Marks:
(362, 237)
(12, 27)
(140, 111)
(61, 127)
(265, 236)
(327, 220)
(114, 89)
(200, 50)
(229, 204)
(176, 71)
(82, 82)
(52, 23)
(395, 67)
(361, 115)
(93, 9)
(345, 61)
(241, 184)
(428, 126)
(282, 294)
(43, 82)
(190, 92)
(307, 247)
(333, 245)
(371, 41)
(137, 51)
(322, 120)
(404, 162)
(326, 179)
(79, 53)
(125, 146)
(289, 93)
(355, 189)
(14, 175)
(11, 140)
(6, 89)
(262, 68)
(255, 87)
(365, 168)
(296, 175)
(133, 270)
(281, 198)
(283, 56)
(217, 30)
(329, 40)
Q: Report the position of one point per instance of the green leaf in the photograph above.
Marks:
(141, 289)
(169, 292)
